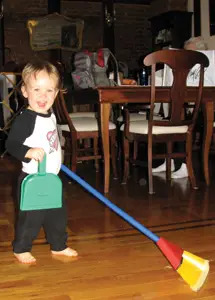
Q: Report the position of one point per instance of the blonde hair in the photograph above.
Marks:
(33, 68)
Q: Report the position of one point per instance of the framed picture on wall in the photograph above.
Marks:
(55, 31)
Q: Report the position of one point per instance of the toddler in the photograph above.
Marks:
(33, 134)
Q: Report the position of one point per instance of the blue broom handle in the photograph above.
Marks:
(112, 206)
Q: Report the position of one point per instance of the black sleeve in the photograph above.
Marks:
(21, 129)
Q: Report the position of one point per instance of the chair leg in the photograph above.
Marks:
(113, 153)
(151, 191)
(74, 154)
(126, 160)
(190, 163)
(168, 160)
(135, 150)
(67, 152)
(118, 143)
(95, 151)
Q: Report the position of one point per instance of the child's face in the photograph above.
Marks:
(41, 91)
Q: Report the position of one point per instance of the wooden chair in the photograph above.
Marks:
(76, 109)
(176, 128)
(78, 129)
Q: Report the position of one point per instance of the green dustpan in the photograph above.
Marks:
(41, 190)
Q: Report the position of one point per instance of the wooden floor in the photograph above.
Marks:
(115, 260)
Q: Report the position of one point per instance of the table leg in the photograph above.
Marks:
(105, 115)
(208, 111)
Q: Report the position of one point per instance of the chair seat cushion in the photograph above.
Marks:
(133, 117)
(85, 124)
(88, 114)
(141, 127)
(139, 117)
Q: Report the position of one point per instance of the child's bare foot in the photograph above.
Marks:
(25, 258)
(66, 252)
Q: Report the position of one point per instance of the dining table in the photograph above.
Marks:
(107, 96)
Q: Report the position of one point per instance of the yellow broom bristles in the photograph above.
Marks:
(193, 270)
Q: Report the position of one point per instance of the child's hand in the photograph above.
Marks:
(35, 153)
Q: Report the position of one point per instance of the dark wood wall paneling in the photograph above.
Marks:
(122, 1)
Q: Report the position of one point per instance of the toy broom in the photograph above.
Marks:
(193, 269)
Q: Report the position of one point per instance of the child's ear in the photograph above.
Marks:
(24, 91)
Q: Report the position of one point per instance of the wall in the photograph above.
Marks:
(91, 14)
(205, 32)
(131, 21)
(16, 14)
(132, 28)
(132, 33)
(161, 6)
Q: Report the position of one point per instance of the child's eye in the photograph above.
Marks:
(50, 91)
(36, 90)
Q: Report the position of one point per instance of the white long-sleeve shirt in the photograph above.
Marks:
(35, 130)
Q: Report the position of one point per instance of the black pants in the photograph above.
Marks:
(29, 223)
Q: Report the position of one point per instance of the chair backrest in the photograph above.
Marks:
(181, 62)
(61, 112)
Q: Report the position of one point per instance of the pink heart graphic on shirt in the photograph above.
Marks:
(52, 138)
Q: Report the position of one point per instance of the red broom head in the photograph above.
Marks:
(172, 252)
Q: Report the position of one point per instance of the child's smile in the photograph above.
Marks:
(41, 104)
